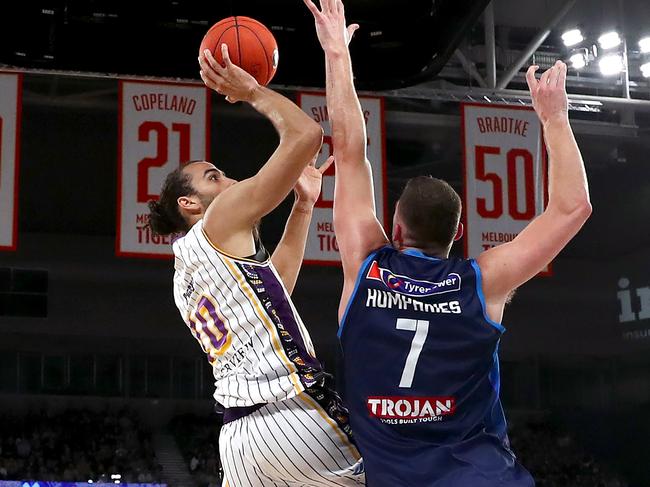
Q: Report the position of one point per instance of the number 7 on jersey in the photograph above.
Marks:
(421, 329)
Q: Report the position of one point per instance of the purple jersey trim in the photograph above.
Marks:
(275, 302)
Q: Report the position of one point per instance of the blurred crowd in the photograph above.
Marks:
(76, 445)
(552, 455)
(555, 459)
(79, 444)
(198, 440)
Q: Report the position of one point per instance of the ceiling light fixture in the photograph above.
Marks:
(572, 37)
(611, 64)
(609, 40)
(644, 45)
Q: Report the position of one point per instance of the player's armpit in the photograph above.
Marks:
(358, 231)
(506, 267)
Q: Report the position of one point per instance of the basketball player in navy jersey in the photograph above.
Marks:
(420, 330)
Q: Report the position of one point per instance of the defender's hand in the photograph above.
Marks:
(231, 81)
(549, 93)
(330, 24)
(308, 187)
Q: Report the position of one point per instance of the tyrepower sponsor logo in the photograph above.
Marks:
(407, 410)
(412, 287)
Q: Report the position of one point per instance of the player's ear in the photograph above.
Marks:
(459, 232)
(189, 205)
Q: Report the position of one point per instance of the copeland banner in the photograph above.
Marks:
(505, 173)
(321, 243)
(161, 125)
(10, 108)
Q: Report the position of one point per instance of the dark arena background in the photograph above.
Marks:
(100, 381)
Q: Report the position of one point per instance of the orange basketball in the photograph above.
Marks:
(250, 44)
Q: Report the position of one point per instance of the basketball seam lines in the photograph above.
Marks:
(241, 61)
(266, 54)
(219, 39)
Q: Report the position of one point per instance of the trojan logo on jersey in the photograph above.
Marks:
(412, 287)
(410, 409)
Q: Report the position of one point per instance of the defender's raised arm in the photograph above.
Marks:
(289, 253)
(358, 232)
(509, 265)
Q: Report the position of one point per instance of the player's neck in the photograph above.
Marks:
(431, 251)
(192, 219)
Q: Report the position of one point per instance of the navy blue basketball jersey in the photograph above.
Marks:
(422, 375)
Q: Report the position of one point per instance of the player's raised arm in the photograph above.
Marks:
(237, 209)
(507, 266)
(358, 232)
(290, 251)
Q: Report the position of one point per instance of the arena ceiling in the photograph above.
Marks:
(400, 43)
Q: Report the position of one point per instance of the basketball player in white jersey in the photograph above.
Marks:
(283, 425)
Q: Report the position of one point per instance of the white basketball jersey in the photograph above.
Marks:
(242, 316)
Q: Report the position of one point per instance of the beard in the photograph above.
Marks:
(205, 200)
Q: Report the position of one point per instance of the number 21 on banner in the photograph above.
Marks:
(162, 125)
(159, 130)
(512, 156)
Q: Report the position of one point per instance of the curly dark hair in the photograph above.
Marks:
(165, 217)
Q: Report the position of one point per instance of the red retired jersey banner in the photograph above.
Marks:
(161, 125)
(505, 173)
(10, 108)
(321, 243)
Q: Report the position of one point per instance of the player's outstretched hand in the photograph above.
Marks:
(229, 80)
(330, 24)
(308, 186)
(549, 93)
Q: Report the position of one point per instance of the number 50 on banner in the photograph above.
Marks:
(504, 172)
(162, 125)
